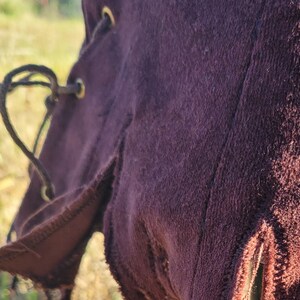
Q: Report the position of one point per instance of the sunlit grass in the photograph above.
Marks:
(54, 43)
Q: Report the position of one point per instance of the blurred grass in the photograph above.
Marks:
(54, 43)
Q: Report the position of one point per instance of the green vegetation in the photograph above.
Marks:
(55, 42)
(65, 8)
(12, 7)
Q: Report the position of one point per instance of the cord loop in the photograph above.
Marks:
(8, 86)
(77, 89)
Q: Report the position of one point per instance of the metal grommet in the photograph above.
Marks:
(81, 89)
(106, 11)
(46, 194)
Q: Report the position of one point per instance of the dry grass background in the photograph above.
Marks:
(54, 43)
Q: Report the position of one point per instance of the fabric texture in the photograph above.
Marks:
(187, 151)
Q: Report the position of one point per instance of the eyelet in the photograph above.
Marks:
(106, 11)
(46, 194)
(81, 89)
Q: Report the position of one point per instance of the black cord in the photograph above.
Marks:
(8, 86)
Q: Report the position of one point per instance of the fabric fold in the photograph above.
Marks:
(51, 242)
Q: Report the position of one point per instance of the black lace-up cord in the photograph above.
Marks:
(7, 86)
(50, 105)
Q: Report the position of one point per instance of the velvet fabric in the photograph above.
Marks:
(185, 152)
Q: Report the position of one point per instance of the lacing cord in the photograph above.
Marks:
(9, 85)
(107, 21)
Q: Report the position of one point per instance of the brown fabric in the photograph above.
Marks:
(197, 102)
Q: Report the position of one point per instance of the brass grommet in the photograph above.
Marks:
(81, 89)
(106, 11)
(45, 193)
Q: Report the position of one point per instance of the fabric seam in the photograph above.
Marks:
(240, 91)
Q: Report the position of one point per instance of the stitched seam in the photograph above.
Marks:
(223, 148)
(65, 218)
(281, 257)
(78, 251)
